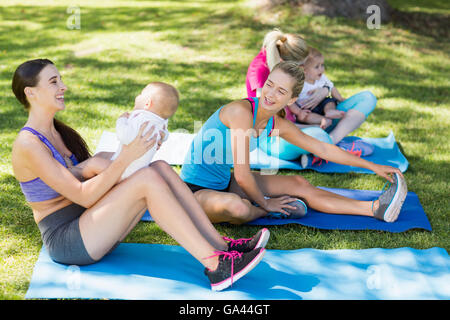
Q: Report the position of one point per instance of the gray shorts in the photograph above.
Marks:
(61, 236)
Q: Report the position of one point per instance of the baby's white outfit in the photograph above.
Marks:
(128, 128)
(323, 81)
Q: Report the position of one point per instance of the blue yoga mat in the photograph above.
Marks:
(411, 216)
(386, 152)
(154, 271)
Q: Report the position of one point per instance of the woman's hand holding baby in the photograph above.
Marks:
(162, 135)
(140, 145)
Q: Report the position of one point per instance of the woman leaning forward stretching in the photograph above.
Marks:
(244, 195)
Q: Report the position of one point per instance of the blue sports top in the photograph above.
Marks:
(209, 160)
(36, 190)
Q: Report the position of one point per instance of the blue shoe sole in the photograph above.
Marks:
(300, 212)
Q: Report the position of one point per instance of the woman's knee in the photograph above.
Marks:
(318, 134)
(369, 96)
(148, 177)
(160, 165)
(298, 182)
(368, 102)
(237, 208)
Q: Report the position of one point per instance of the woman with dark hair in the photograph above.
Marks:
(82, 221)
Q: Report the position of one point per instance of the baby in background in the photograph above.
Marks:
(315, 78)
(156, 103)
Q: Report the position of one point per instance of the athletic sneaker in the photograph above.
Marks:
(391, 201)
(232, 266)
(308, 160)
(259, 240)
(299, 211)
(357, 147)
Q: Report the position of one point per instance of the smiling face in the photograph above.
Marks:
(49, 91)
(277, 91)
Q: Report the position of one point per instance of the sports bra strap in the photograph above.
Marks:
(255, 112)
(41, 137)
(252, 102)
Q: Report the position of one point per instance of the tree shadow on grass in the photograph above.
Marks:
(44, 30)
(16, 216)
(199, 29)
(423, 23)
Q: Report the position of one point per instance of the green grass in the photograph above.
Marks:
(204, 48)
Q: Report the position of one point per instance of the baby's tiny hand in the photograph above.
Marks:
(302, 114)
(125, 115)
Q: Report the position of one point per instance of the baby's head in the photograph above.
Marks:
(314, 65)
(158, 97)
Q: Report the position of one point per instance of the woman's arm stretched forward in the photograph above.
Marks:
(289, 132)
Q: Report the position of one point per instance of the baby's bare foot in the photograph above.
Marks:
(334, 114)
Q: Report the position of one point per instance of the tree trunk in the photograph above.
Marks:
(353, 9)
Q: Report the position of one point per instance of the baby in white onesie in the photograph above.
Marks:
(315, 78)
(156, 103)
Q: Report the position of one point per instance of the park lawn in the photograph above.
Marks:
(204, 48)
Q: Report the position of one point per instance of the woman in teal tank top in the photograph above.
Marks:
(210, 159)
(225, 142)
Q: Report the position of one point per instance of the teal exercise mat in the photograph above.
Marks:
(412, 216)
(386, 152)
(173, 151)
(162, 272)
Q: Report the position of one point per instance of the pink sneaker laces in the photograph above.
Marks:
(227, 255)
(318, 160)
(236, 242)
(355, 152)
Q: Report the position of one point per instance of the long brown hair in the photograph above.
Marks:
(27, 75)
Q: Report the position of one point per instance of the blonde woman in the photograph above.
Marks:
(279, 46)
(242, 195)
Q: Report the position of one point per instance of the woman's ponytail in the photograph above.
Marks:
(271, 41)
(284, 46)
(73, 141)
